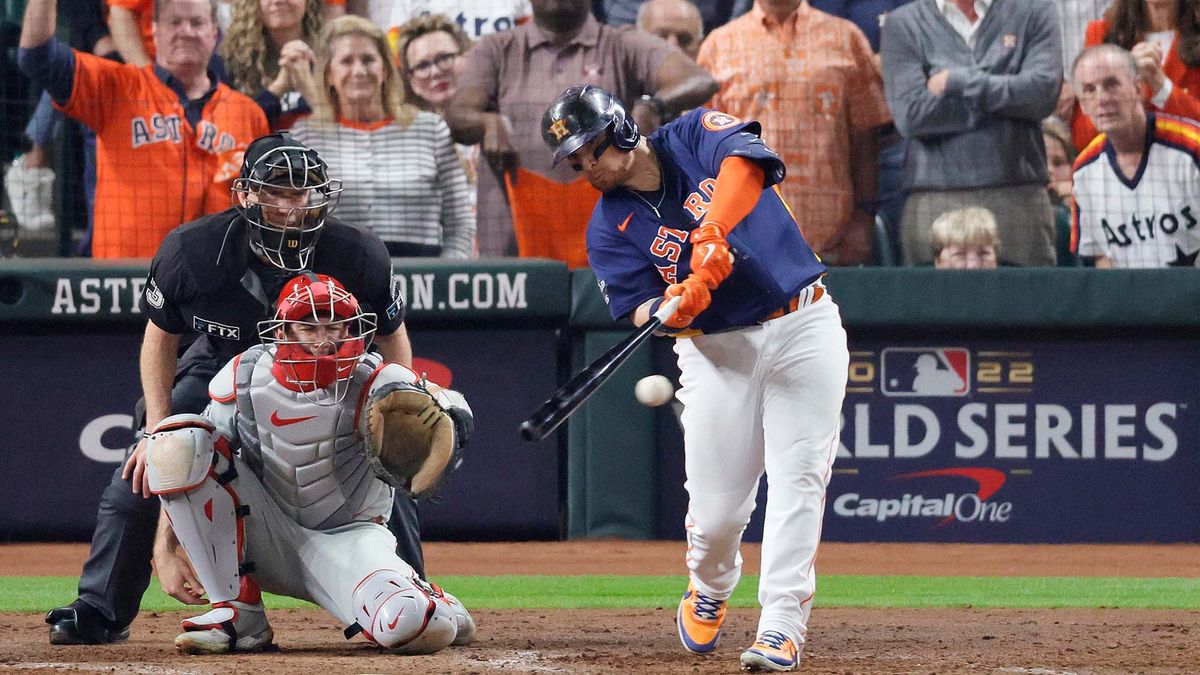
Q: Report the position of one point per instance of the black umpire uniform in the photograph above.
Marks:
(206, 280)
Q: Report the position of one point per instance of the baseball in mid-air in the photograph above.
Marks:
(653, 390)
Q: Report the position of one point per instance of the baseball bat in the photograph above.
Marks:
(583, 384)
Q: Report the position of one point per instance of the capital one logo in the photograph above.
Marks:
(948, 507)
(925, 371)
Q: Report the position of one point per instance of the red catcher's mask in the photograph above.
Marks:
(320, 334)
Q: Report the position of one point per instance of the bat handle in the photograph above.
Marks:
(667, 309)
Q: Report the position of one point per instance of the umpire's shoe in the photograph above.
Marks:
(81, 624)
(699, 619)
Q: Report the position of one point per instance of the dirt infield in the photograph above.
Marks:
(624, 641)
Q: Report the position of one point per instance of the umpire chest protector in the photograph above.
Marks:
(309, 457)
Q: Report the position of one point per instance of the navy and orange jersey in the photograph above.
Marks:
(155, 168)
(636, 254)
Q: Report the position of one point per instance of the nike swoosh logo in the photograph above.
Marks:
(392, 624)
(284, 421)
(711, 248)
(625, 223)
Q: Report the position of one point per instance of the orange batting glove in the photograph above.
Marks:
(711, 260)
(696, 297)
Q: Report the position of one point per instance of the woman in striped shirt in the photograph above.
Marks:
(401, 174)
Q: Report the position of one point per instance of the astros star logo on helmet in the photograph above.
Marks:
(559, 129)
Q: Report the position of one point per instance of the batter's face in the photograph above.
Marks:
(1108, 93)
(185, 35)
(608, 171)
(281, 14)
(432, 63)
(967, 257)
(356, 70)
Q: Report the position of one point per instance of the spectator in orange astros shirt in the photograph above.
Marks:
(811, 80)
(169, 136)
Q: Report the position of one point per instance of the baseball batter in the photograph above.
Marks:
(760, 344)
(273, 485)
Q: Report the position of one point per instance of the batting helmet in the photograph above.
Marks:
(280, 161)
(580, 114)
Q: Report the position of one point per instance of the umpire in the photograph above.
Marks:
(212, 280)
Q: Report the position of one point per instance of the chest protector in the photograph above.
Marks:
(309, 457)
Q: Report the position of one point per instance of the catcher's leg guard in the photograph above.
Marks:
(230, 626)
(394, 612)
(192, 477)
(465, 634)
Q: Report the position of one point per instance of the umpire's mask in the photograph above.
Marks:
(284, 194)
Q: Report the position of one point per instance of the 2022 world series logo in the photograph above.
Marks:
(934, 434)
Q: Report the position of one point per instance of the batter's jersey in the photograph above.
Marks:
(1149, 220)
(636, 253)
(205, 281)
(307, 449)
(153, 169)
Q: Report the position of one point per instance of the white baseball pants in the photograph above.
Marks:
(763, 398)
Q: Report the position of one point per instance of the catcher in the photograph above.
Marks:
(286, 482)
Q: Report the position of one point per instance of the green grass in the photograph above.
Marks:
(37, 594)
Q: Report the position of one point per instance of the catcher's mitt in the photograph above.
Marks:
(414, 442)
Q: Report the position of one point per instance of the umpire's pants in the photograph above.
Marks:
(117, 571)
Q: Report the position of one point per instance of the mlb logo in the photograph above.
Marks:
(925, 371)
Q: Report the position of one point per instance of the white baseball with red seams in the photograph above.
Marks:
(654, 390)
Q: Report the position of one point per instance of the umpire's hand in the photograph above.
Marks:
(135, 470)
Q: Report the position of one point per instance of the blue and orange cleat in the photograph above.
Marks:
(699, 620)
(772, 651)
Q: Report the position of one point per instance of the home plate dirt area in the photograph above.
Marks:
(1038, 641)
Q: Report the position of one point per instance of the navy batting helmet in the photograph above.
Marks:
(580, 114)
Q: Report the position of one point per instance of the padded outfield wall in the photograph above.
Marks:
(1063, 407)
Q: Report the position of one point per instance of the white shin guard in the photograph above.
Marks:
(191, 478)
(396, 613)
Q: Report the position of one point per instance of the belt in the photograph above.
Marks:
(809, 295)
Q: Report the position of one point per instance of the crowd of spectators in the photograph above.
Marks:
(1010, 132)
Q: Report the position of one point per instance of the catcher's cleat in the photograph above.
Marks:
(772, 651)
(699, 620)
(231, 626)
(81, 624)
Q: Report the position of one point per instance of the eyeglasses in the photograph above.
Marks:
(442, 61)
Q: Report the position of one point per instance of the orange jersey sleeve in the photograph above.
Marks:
(154, 169)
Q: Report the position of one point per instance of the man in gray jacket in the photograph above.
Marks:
(969, 82)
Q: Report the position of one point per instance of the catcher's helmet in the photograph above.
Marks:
(320, 333)
(580, 114)
(281, 162)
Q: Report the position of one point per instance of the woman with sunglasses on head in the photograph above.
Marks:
(402, 175)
